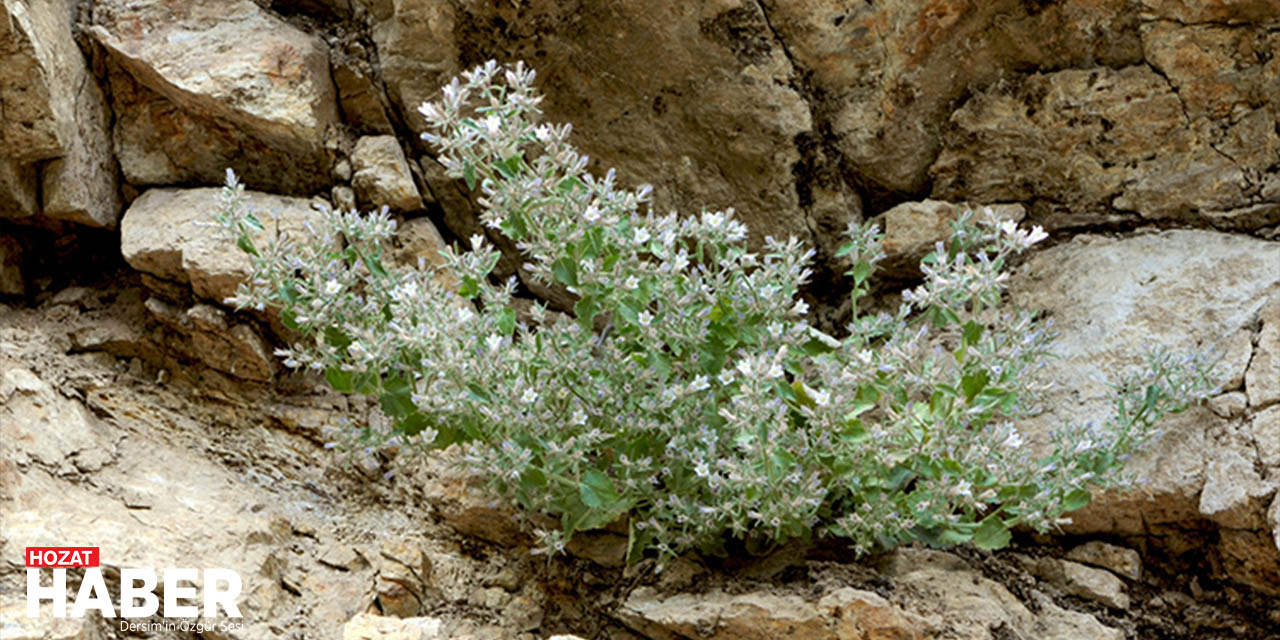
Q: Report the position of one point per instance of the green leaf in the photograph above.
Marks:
(469, 176)
(565, 271)
(507, 321)
(340, 380)
(597, 490)
(478, 393)
(1076, 499)
(470, 287)
(568, 184)
(586, 309)
(397, 397)
(246, 245)
(991, 534)
(845, 250)
(253, 221)
(860, 272)
(973, 383)
(374, 262)
(335, 337)
(972, 332)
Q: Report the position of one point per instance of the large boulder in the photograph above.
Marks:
(54, 114)
(216, 80)
(1112, 300)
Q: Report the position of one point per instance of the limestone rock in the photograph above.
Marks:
(17, 626)
(1266, 434)
(1111, 300)
(1262, 381)
(1120, 560)
(53, 110)
(887, 74)
(761, 615)
(1224, 11)
(232, 78)
(463, 503)
(729, 135)
(382, 175)
(216, 340)
(165, 233)
(1056, 623)
(1233, 492)
(911, 229)
(1229, 405)
(359, 97)
(41, 427)
(1094, 584)
(404, 571)
(367, 626)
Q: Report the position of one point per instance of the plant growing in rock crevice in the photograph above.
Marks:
(706, 406)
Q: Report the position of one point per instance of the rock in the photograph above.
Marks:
(18, 189)
(736, 133)
(1262, 380)
(522, 614)
(217, 341)
(1120, 560)
(462, 501)
(166, 233)
(344, 198)
(404, 571)
(41, 427)
(367, 626)
(911, 229)
(360, 98)
(11, 283)
(54, 111)
(17, 626)
(42, 68)
(1233, 492)
(1223, 11)
(1111, 300)
(1266, 434)
(1056, 623)
(844, 613)
(207, 101)
(885, 75)
(1093, 584)
(1229, 405)
(382, 175)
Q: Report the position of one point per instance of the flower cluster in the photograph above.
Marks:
(687, 393)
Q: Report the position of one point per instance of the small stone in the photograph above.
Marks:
(1266, 433)
(522, 613)
(1094, 584)
(342, 170)
(1232, 490)
(344, 198)
(367, 626)
(1229, 405)
(1120, 560)
(382, 176)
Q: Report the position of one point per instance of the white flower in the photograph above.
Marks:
(645, 318)
(494, 341)
(1037, 234)
(529, 396)
(631, 283)
(801, 307)
(712, 219)
(492, 125)
(699, 383)
(641, 235)
(332, 288)
(592, 213)
(579, 416)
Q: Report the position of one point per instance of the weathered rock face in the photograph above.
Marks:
(165, 233)
(1112, 300)
(53, 111)
(222, 78)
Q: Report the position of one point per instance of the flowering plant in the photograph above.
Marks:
(688, 393)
